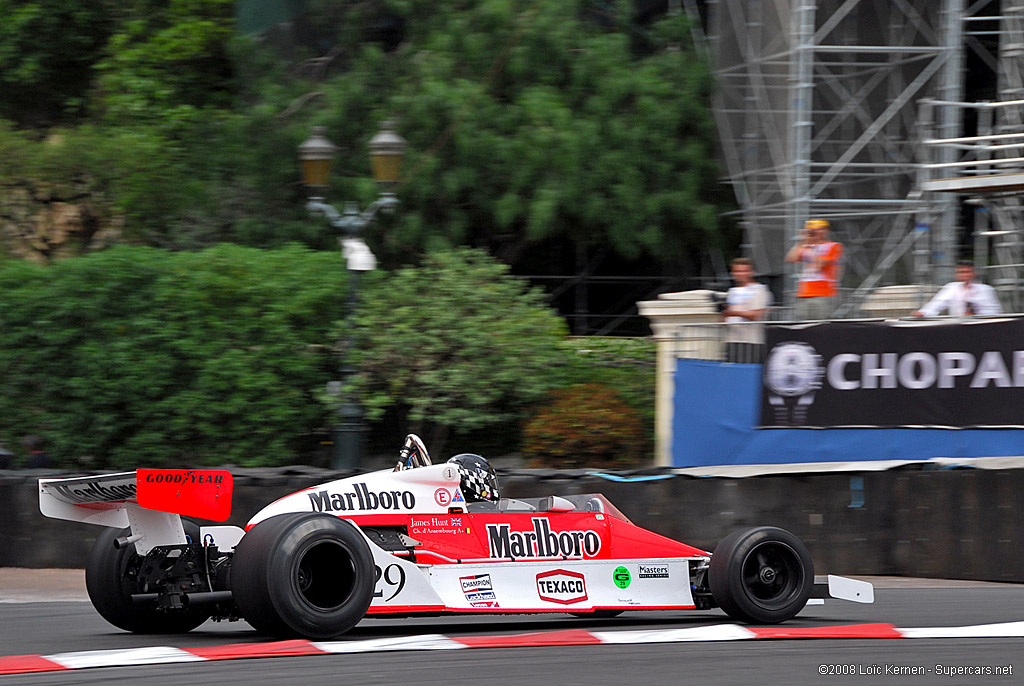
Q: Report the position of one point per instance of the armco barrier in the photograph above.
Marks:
(955, 523)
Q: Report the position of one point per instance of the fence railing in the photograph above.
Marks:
(743, 342)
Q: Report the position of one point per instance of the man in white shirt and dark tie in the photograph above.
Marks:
(963, 297)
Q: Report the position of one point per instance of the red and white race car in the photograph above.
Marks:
(421, 539)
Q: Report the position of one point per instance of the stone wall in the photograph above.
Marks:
(956, 523)
(42, 222)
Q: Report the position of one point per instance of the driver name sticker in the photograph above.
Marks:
(437, 525)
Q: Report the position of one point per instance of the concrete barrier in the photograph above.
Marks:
(955, 523)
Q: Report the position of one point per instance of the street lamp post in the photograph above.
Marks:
(315, 156)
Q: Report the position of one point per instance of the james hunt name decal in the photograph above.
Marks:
(562, 586)
(437, 525)
(361, 498)
(541, 542)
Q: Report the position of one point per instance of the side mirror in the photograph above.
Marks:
(554, 503)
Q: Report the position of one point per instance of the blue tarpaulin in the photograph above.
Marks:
(716, 408)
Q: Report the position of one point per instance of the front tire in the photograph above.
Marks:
(762, 575)
(308, 575)
(111, 577)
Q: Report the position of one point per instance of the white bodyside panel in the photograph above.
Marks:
(564, 585)
(426, 490)
(568, 585)
(400, 583)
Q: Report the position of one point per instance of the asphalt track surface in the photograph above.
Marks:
(61, 626)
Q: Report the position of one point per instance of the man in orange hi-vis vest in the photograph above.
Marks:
(819, 260)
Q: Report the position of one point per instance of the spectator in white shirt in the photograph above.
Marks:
(963, 297)
(746, 306)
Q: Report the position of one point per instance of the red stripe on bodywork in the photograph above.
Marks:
(24, 664)
(234, 651)
(405, 609)
(434, 609)
(544, 638)
(849, 631)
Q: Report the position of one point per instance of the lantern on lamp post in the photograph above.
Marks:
(315, 155)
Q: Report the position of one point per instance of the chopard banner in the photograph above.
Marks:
(955, 374)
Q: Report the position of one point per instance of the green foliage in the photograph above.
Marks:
(532, 121)
(455, 345)
(585, 426)
(47, 49)
(528, 122)
(136, 356)
(167, 62)
(628, 365)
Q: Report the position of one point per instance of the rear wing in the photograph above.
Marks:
(149, 500)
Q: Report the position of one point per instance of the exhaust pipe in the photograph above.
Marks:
(125, 541)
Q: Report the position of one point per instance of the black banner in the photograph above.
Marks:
(955, 374)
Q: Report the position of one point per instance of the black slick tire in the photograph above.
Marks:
(306, 574)
(762, 575)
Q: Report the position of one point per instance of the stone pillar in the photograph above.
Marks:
(666, 315)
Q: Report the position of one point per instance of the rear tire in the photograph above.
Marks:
(307, 574)
(761, 575)
(111, 579)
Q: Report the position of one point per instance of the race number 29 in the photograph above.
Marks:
(392, 577)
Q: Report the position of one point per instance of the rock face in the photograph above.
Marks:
(42, 223)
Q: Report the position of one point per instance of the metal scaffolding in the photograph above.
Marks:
(845, 109)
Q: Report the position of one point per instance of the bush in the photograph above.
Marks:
(585, 425)
(455, 346)
(141, 357)
(137, 356)
(628, 365)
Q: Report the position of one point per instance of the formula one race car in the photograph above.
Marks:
(421, 539)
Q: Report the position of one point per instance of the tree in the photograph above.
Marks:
(535, 121)
(167, 62)
(454, 345)
(531, 123)
(47, 49)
